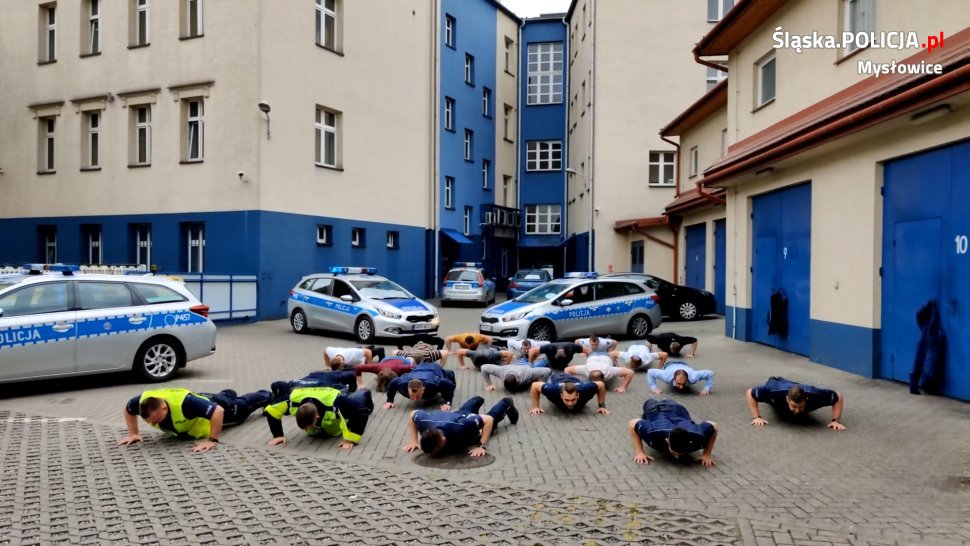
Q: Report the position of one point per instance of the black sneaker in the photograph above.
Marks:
(368, 401)
(512, 413)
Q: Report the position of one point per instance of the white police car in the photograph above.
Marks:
(358, 301)
(467, 282)
(578, 305)
(55, 323)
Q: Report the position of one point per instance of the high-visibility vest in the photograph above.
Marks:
(331, 422)
(198, 427)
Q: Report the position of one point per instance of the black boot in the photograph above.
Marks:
(512, 413)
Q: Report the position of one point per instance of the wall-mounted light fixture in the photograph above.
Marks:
(264, 108)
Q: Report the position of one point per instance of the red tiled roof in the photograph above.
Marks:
(690, 200)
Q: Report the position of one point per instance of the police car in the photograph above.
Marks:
(358, 301)
(55, 321)
(577, 305)
(467, 282)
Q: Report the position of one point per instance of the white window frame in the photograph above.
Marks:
(542, 219)
(323, 234)
(143, 240)
(199, 20)
(449, 113)
(507, 122)
(717, 9)
(93, 122)
(357, 237)
(139, 128)
(449, 192)
(545, 67)
(468, 220)
(195, 237)
(198, 123)
(540, 155)
(486, 167)
(469, 69)
(392, 239)
(666, 161)
(486, 102)
(693, 162)
(95, 246)
(759, 71)
(50, 35)
(323, 13)
(450, 31)
(865, 23)
(48, 143)
(327, 133)
(469, 144)
(94, 27)
(143, 11)
(508, 54)
(714, 77)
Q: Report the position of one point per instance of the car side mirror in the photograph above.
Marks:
(347, 298)
(565, 303)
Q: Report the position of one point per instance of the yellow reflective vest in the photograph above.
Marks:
(198, 427)
(332, 423)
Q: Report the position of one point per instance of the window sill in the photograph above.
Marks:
(191, 161)
(324, 244)
(357, 246)
(450, 130)
(763, 104)
(139, 46)
(469, 160)
(469, 84)
(486, 116)
(183, 38)
(510, 141)
(86, 55)
(394, 248)
(330, 49)
(659, 185)
(509, 73)
(544, 104)
(329, 168)
(41, 63)
(450, 46)
(139, 165)
(846, 56)
(90, 169)
(449, 208)
(42, 173)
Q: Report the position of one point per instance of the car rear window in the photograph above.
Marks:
(156, 294)
(532, 276)
(462, 275)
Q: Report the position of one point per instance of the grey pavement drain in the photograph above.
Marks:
(459, 461)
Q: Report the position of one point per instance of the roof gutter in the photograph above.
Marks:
(708, 196)
(936, 89)
(697, 59)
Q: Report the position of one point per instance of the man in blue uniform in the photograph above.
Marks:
(793, 400)
(344, 380)
(184, 414)
(667, 427)
(424, 382)
(322, 411)
(439, 432)
(568, 393)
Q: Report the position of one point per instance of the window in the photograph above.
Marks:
(609, 290)
(92, 34)
(858, 18)
(486, 102)
(140, 31)
(507, 123)
(506, 182)
(661, 168)
(545, 73)
(717, 8)
(508, 54)
(46, 149)
(48, 237)
(766, 80)
(195, 249)
(693, 161)
(469, 69)
(449, 192)
(486, 168)
(357, 237)
(468, 144)
(450, 31)
(103, 295)
(714, 76)
(155, 294)
(327, 24)
(341, 289)
(48, 297)
(324, 235)
(583, 104)
(724, 142)
(193, 111)
(468, 220)
(48, 41)
(323, 285)
(392, 239)
(143, 244)
(91, 145)
(326, 137)
(192, 18)
(542, 219)
(543, 155)
(92, 241)
(141, 118)
(449, 114)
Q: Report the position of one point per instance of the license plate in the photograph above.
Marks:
(427, 326)
(463, 287)
(485, 327)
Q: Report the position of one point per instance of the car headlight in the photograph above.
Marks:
(516, 316)
(389, 314)
(434, 320)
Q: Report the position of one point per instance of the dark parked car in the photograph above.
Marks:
(527, 279)
(676, 300)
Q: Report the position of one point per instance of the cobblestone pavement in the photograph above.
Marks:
(900, 474)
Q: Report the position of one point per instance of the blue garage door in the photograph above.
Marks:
(694, 259)
(720, 267)
(782, 238)
(926, 225)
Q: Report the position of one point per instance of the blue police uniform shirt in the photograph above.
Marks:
(461, 429)
(775, 393)
(656, 428)
(192, 407)
(553, 391)
(434, 378)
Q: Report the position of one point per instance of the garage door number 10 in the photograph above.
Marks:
(961, 241)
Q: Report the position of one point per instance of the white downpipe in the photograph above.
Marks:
(565, 177)
(592, 142)
(435, 153)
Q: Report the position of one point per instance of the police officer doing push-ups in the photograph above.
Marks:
(439, 432)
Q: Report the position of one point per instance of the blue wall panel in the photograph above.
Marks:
(695, 255)
(743, 318)
(849, 348)
(720, 263)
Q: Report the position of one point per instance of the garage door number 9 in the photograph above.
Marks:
(961, 241)
(784, 253)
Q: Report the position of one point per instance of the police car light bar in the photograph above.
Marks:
(581, 275)
(468, 264)
(37, 269)
(354, 270)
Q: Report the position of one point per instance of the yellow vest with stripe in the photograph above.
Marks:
(331, 422)
(198, 427)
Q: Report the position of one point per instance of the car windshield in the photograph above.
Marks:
(462, 275)
(5, 284)
(546, 292)
(380, 289)
(532, 275)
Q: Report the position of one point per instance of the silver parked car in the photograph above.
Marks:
(574, 306)
(356, 300)
(467, 282)
(54, 322)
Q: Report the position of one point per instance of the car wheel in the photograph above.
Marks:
(298, 322)
(364, 330)
(159, 358)
(542, 330)
(639, 327)
(688, 310)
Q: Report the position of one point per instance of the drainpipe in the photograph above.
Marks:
(518, 142)
(565, 175)
(673, 246)
(708, 196)
(435, 151)
(592, 133)
(676, 165)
